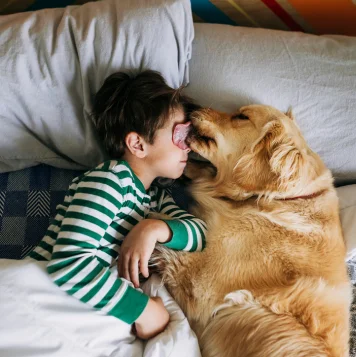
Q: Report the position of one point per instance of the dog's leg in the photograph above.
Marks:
(179, 272)
(322, 309)
(242, 327)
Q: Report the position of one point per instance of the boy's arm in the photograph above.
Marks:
(78, 266)
(188, 232)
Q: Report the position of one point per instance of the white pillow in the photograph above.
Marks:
(53, 61)
(347, 197)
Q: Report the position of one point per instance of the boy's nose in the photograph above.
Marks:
(188, 150)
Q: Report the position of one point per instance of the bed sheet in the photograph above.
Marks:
(39, 319)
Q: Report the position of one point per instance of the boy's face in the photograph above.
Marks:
(165, 158)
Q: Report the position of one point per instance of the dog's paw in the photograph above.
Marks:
(157, 263)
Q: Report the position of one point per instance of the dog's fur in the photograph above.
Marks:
(272, 280)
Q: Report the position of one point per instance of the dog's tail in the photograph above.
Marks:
(243, 327)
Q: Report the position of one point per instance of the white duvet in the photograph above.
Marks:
(38, 319)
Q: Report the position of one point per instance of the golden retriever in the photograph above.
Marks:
(272, 279)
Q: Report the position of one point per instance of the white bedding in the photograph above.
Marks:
(38, 319)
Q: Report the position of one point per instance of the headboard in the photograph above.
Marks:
(312, 16)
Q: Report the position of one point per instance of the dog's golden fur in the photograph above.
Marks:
(272, 280)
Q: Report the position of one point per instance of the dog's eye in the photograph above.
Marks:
(240, 116)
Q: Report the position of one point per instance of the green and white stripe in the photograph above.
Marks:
(82, 243)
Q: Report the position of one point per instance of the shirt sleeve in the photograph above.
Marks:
(188, 232)
(77, 264)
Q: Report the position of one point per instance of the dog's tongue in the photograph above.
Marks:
(180, 134)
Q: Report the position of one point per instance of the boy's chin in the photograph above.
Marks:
(175, 175)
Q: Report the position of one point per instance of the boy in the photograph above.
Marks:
(107, 207)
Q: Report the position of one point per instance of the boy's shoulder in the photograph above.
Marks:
(119, 172)
(116, 170)
(117, 167)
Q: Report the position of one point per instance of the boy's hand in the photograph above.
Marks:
(153, 319)
(138, 246)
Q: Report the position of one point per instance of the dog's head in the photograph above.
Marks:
(258, 149)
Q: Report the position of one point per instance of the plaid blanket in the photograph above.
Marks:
(28, 200)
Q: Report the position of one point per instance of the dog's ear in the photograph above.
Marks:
(290, 159)
(252, 172)
(285, 158)
(277, 162)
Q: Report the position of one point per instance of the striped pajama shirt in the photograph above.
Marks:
(82, 243)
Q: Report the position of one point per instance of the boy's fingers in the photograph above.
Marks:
(144, 266)
(125, 267)
(119, 267)
(134, 271)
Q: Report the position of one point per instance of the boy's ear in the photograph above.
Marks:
(136, 145)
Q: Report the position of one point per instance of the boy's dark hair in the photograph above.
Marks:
(141, 103)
